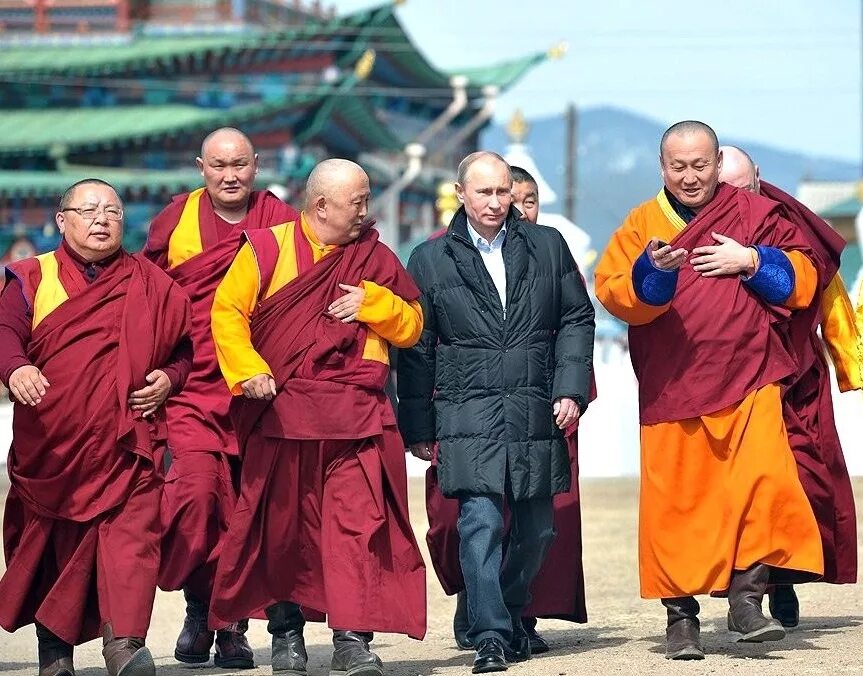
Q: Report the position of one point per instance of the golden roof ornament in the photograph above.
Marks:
(364, 65)
(399, 3)
(558, 51)
(517, 127)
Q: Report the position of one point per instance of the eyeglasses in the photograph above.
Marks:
(89, 213)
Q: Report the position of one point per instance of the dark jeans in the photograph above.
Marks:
(498, 590)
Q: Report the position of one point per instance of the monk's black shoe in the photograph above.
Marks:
(55, 655)
(194, 642)
(461, 623)
(683, 633)
(232, 647)
(352, 657)
(784, 605)
(490, 656)
(538, 644)
(744, 606)
(289, 654)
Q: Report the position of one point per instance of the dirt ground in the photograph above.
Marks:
(624, 636)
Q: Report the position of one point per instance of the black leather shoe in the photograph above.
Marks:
(352, 656)
(784, 605)
(538, 644)
(461, 623)
(286, 624)
(518, 649)
(744, 606)
(195, 640)
(232, 647)
(490, 656)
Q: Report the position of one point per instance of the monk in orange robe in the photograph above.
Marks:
(722, 509)
(302, 323)
(194, 239)
(808, 403)
(92, 342)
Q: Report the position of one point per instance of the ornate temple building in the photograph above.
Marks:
(126, 90)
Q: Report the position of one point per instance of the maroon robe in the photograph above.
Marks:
(322, 518)
(81, 529)
(752, 350)
(201, 485)
(808, 406)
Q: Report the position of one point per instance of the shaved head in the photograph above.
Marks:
(739, 169)
(330, 177)
(226, 134)
(685, 128)
(337, 201)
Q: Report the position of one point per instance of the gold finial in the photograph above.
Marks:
(517, 127)
(364, 64)
(558, 51)
(399, 3)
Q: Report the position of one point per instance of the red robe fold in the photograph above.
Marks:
(200, 489)
(322, 518)
(81, 528)
(808, 406)
(679, 384)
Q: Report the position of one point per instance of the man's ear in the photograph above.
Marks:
(200, 164)
(459, 192)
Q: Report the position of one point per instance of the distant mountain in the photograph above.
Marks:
(618, 167)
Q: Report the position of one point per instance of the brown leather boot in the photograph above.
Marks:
(126, 655)
(232, 647)
(194, 642)
(683, 633)
(744, 606)
(55, 655)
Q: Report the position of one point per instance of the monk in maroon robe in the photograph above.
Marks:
(807, 400)
(92, 342)
(194, 239)
(302, 323)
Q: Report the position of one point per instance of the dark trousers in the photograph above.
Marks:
(498, 589)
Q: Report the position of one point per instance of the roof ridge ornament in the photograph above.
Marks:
(517, 128)
(365, 64)
(559, 50)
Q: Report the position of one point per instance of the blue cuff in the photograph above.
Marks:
(774, 278)
(652, 285)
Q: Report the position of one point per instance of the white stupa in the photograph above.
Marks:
(518, 154)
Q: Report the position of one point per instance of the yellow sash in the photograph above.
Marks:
(185, 242)
(50, 294)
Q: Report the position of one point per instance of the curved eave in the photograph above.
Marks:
(502, 75)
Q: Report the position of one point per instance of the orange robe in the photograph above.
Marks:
(719, 492)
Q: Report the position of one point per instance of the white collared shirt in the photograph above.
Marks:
(492, 256)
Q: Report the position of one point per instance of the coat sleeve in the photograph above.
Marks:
(416, 367)
(573, 351)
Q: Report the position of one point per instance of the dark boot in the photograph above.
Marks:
(461, 622)
(232, 647)
(286, 624)
(538, 644)
(126, 655)
(784, 605)
(55, 655)
(352, 657)
(744, 606)
(683, 633)
(194, 641)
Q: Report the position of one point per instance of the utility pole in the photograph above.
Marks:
(570, 162)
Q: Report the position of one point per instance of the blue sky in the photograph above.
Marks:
(785, 73)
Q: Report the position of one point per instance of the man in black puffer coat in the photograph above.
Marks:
(503, 366)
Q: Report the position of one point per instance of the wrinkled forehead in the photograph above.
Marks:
(94, 193)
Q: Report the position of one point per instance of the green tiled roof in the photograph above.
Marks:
(53, 183)
(346, 37)
(47, 131)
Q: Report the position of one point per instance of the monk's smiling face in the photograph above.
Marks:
(92, 223)
(690, 167)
